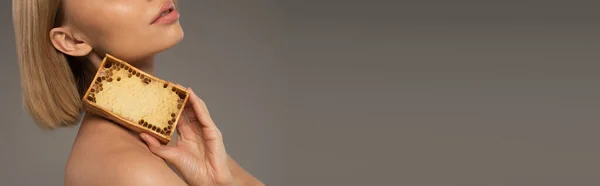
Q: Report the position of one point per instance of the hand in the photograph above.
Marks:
(199, 153)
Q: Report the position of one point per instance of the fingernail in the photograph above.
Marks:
(143, 138)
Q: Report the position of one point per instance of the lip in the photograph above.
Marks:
(169, 17)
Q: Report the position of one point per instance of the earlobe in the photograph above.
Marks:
(64, 41)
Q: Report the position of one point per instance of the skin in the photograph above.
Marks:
(104, 153)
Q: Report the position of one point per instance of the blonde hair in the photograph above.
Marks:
(52, 82)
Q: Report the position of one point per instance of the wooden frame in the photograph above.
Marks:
(90, 105)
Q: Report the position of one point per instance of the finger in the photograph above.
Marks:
(166, 152)
(210, 133)
(191, 114)
(186, 131)
(182, 121)
(209, 130)
(200, 110)
(189, 111)
(192, 117)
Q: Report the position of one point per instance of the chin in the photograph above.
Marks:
(171, 39)
(140, 49)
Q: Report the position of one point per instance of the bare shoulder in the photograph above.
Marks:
(108, 156)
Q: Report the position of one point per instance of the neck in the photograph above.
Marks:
(95, 122)
(144, 64)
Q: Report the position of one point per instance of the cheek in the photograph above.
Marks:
(120, 21)
(98, 16)
(117, 28)
(123, 29)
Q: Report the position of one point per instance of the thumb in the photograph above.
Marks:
(166, 152)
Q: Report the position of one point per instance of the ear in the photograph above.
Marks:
(63, 40)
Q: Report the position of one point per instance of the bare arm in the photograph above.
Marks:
(242, 177)
(144, 171)
(149, 172)
(199, 153)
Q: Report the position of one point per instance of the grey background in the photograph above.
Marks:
(372, 92)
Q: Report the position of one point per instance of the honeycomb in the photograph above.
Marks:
(134, 99)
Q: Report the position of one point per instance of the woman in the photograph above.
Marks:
(60, 45)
